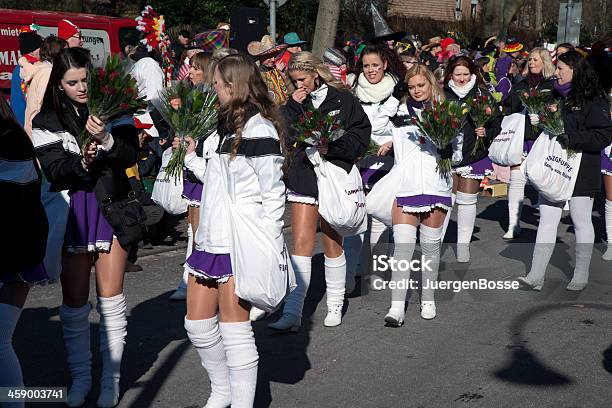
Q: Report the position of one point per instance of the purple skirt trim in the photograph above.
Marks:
(371, 176)
(86, 229)
(192, 191)
(36, 275)
(424, 202)
(209, 266)
(478, 170)
(606, 164)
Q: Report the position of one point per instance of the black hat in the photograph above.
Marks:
(28, 42)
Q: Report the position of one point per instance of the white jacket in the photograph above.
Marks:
(379, 114)
(149, 78)
(255, 179)
(419, 161)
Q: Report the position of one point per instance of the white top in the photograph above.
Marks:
(149, 78)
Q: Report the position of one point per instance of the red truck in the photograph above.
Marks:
(102, 35)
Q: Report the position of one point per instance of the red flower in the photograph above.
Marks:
(105, 89)
(124, 106)
(413, 120)
(308, 114)
(488, 111)
(422, 140)
(455, 124)
(113, 75)
(101, 74)
(436, 116)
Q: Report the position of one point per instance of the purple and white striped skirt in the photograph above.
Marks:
(606, 164)
(192, 192)
(423, 203)
(204, 265)
(86, 229)
(478, 170)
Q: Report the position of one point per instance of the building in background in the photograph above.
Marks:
(441, 10)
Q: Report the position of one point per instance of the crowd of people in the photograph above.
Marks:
(57, 196)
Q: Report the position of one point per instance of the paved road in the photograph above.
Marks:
(484, 349)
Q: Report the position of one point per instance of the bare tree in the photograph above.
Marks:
(327, 24)
(498, 14)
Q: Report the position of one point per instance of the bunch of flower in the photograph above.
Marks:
(482, 108)
(551, 122)
(190, 111)
(440, 122)
(317, 129)
(112, 93)
(535, 100)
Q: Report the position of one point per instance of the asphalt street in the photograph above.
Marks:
(485, 348)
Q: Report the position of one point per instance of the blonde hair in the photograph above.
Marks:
(420, 69)
(202, 61)
(308, 62)
(248, 87)
(549, 67)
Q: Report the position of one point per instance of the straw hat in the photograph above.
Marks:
(432, 42)
(265, 47)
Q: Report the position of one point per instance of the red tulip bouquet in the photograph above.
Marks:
(316, 129)
(112, 93)
(482, 108)
(440, 122)
(551, 122)
(535, 100)
(190, 111)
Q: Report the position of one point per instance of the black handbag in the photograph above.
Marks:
(126, 216)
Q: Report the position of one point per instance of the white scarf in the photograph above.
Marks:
(318, 96)
(374, 93)
(462, 92)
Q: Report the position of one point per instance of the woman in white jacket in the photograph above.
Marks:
(423, 196)
(249, 156)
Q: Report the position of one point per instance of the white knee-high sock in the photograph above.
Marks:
(10, 369)
(242, 360)
(581, 209)
(404, 237)
(77, 340)
(466, 216)
(516, 196)
(448, 215)
(550, 215)
(206, 338)
(294, 302)
(430, 248)
(609, 221)
(335, 275)
(352, 250)
(378, 233)
(113, 330)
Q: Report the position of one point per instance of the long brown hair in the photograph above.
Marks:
(248, 87)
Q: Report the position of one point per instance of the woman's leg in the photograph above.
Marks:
(607, 256)
(431, 242)
(581, 210)
(74, 315)
(111, 307)
(335, 274)
(304, 219)
(550, 215)
(202, 326)
(404, 241)
(12, 298)
(181, 291)
(467, 196)
(453, 201)
(239, 344)
(516, 195)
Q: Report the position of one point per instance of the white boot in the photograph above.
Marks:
(10, 369)
(242, 360)
(206, 338)
(294, 302)
(113, 330)
(335, 275)
(77, 340)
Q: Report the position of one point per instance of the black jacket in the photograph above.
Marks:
(64, 170)
(589, 130)
(469, 129)
(24, 222)
(342, 152)
(513, 103)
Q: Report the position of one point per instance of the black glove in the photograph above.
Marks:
(447, 152)
(400, 90)
(563, 140)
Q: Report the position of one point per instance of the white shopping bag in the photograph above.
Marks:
(551, 170)
(379, 201)
(263, 273)
(507, 147)
(342, 200)
(167, 192)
